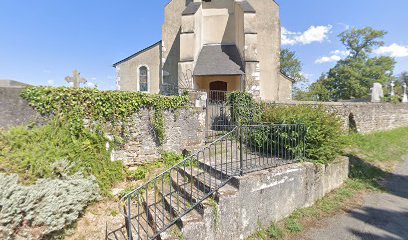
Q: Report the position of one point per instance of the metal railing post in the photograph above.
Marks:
(206, 119)
(129, 219)
(241, 153)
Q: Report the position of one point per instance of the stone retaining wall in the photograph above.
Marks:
(366, 117)
(14, 110)
(265, 197)
(185, 130)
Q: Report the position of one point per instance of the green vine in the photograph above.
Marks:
(107, 108)
(214, 204)
(244, 109)
(159, 125)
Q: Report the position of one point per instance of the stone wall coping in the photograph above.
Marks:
(339, 103)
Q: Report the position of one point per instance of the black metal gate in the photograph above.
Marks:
(218, 115)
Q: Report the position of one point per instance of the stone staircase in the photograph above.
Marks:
(180, 201)
(180, 196)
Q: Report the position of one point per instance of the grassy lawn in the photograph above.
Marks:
(383, 149)
(372, 157)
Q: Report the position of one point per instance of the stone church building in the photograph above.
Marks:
(212, 45)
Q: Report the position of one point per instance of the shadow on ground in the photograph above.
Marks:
(387, 213)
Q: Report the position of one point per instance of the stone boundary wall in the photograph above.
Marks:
(265, 197)
(365, 117)
(14, 110)
(185, 130)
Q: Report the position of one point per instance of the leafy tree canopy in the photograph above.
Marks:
(360, 42)
(291, 65)
(354, 76)
(404, 77)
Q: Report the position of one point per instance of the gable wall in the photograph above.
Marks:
(128, 71)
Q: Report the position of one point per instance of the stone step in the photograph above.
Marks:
(139, 222)
(158, 215)
(189, 188)
(204, 178)
(178, 205)
(139, 225)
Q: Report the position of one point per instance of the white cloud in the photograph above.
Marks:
(393, 50)
(332, 58)
(311, 35)
(307, 75)
(287, 37)
(51, 82)
(345, 26)
(340, 53)
(90, 84)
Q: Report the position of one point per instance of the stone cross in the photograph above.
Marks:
(377, 92)
(392, 89)
(76, 79)
(404, 90)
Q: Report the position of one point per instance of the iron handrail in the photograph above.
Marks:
(171, 168)
(257, 146)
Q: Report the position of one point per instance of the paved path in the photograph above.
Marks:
(383, 216)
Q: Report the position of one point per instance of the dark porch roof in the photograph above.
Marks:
(219, 60)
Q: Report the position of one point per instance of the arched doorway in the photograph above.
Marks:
(218, 90)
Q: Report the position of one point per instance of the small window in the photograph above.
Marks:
(143, 79)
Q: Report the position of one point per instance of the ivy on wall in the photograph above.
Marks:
(244, 108)
(113, 107)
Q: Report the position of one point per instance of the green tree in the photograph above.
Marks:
(354, 76)
(318, 91)
(404, 77)
(360, 42)
(291, 66)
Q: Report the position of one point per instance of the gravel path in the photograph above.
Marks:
(383, 216)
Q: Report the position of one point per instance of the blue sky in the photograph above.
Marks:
(42, 41)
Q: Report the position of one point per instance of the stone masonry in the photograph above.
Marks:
(14, 110)
(365, 117)
(185, 130)
(277, 192)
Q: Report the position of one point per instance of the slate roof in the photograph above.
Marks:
(219, 60)
(246, 7)
(134, 55)
(191, 8)
(287, 77)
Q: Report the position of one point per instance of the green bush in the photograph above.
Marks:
(244, 109)
(52, 152)
(324, 137)
(275, 232)
(168, 160)
(113, 107)
(52, 204)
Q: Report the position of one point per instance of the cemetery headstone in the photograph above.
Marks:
(392, 89)
(404, 90)
(377, 92)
